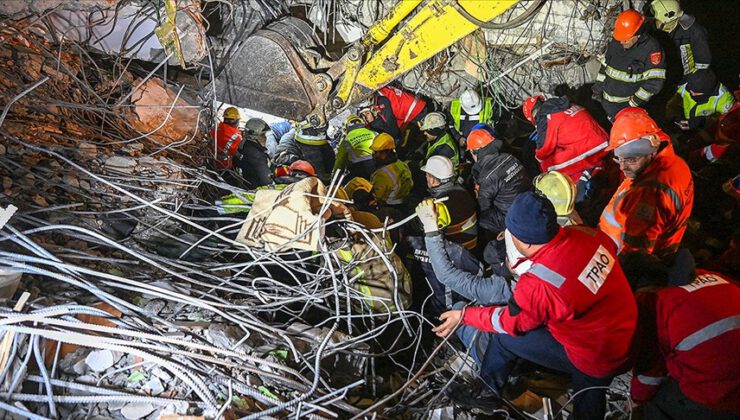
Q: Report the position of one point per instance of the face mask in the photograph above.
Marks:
(519, 263)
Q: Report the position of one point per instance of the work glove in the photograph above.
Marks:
(427, 213)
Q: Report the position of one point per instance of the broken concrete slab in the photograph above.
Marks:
(162, 114)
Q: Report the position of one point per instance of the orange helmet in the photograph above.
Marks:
(627, 25)
(303, 166)
(528, 106)
(479, 138)
(632, 124)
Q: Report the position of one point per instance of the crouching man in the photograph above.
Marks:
(571, 311)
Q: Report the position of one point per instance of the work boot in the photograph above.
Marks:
(476, 397)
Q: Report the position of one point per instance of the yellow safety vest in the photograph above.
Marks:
(444, 140)
(484, 115)
(392, 183)
(717, 104)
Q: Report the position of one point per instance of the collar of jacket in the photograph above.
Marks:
(686, 21)
(492, 149)
(442, 188)
(559, 237)
(662, 158)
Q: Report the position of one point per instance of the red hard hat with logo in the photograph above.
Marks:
(632, 124)
(303, 166)
(479, 138)
(528, 106)
(627, 25)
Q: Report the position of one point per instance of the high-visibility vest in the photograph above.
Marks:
(444, 140)
(309, 140)
(651, 214)
(357, 143)
(392, 183)
(483, 116)
(717, 104)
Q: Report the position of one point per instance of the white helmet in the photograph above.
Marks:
(432, 120)
(470, 101)
(440, 167)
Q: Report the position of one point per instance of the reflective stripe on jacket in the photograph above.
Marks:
(405, 105)
(355, 148)
(392, 183)
(650, 213)
(457, 113)
(445, 140)
(691, 333)
(227, 144)
(716, 104)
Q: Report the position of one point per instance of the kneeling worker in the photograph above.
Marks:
(571, 311)
(392, 181)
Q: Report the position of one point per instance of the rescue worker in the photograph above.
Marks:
(498, 177)
(462, 226)
(439, 141)
(703, 97)
(634, 70)
(228, 137)
(561, 191)
(354, 152)
(569, 140)
(310, 144)
(252, 159)
(688, 35)
(392, 180)
(687, 343)
(650, 209)
(467, 111)
(571, 311)
(394, 110)
(297, 171)
(277, 131)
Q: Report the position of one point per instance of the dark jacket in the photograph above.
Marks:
(499, 177)
(691, 40)
(253, 163)
(320, 157)
(630, 77)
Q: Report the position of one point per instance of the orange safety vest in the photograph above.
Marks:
(227, 144)
(650, 213)
(405, 106)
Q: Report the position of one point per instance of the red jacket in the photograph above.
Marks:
(405, 105)
(577, 290)
(691, 333)
(650, 213)
(574, 143)
(227, 144)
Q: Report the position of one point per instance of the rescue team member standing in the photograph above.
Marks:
(228, 137)
(467, 111)
(354, 152)
(574, 314)
(569, 140)
(688, 35)
(310, 144)
(439, 141)
(650, 209)
(498, 178)
(392, 181)
(461, 206)
(393, 110)
(687, 364)
(634, 70)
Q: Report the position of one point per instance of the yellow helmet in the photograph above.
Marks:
(341, 194)
(357, 183)
(353, 119)
(383, 141)
(559, 189)
(667, 13)
(232, 113)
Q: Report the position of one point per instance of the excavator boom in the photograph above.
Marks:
(276, 71)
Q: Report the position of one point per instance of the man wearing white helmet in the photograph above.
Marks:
(462, 207)
(467, 111)
(439, 141)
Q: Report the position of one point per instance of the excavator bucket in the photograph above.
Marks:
(267, 73)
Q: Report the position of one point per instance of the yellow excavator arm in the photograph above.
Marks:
(413, 32)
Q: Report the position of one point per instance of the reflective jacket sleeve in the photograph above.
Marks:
(653, 76)
(531, 306)
(601, 75)
(545, 144)
(486, 290)
(650, 368)
(381, 186)
(645, 219)
(700, 47)
(385, 121)
(342, 152)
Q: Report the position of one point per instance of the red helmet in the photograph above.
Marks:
(479, 138)
(303, 166)
(627, 25)
(529, 104)
(632, 124)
